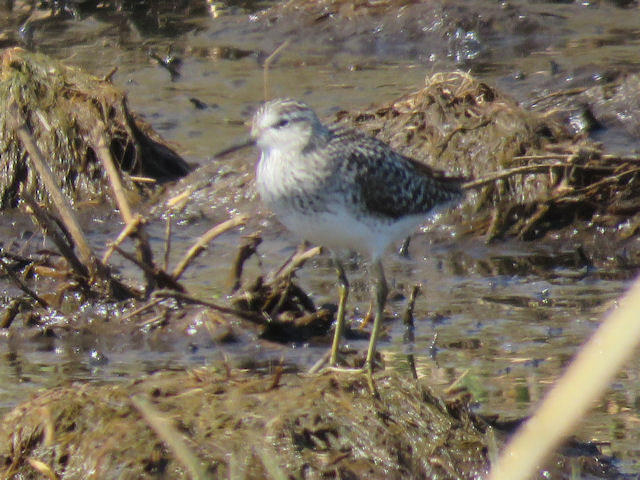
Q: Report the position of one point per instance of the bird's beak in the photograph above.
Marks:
(234, 148)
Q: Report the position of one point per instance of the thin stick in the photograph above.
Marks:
(159, 277)
(267, 65)
(21, 285)
(103, 153)
(524, 170)
(128, 230)
(320, 363)
(59, 199)
(139, 179)
(201, 243)
(171, 437)
(555, 156)
(246, 250)
(566, 156)
(146, 306)
(297, 261)
(253, 317)
(10, 312)
(50, 228)
(589, 373)
(145, 253)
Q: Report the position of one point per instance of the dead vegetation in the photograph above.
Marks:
(233, 423)
(68, 113)
(68, 138)
(543, 177)
(218, 422)
(225, 423)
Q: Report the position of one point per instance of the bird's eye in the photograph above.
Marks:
(282, 123)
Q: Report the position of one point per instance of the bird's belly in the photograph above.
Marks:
(340, 230)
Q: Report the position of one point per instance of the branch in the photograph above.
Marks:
(58, 198)
(525, 170)
(21, 285)
(201, 243)
(132, 224)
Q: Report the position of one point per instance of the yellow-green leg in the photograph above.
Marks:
(343, 290)
(380, 292)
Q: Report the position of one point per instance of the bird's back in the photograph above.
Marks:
(385, 183)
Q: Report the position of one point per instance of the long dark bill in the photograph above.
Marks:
(233, 148)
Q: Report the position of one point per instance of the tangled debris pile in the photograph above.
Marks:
(68, 111)
(283, 310)
(544, 178)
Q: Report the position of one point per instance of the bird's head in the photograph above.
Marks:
(285, 124)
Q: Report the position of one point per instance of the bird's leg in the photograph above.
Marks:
(403, 251)
(343, 290)
(380, 291)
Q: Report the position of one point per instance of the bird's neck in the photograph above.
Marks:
(317, 140)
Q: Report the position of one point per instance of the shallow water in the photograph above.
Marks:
(504, 319)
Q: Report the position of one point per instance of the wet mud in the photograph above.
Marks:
(198, 271)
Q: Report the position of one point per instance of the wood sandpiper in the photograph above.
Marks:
(340, 188)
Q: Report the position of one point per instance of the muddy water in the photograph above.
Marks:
(502, 319)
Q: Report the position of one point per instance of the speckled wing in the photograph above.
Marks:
(391, 185)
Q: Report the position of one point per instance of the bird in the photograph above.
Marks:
(342, 189)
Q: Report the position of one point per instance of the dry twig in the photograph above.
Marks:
(132, 224)
(59, 199)
(246, 251)
(296, 261)
(201, 243)
(526, 170)
(127, 231)
(21, 285)
(160, 277)
(182, 297)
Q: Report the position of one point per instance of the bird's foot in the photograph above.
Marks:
(365, 369)
(324, 365)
